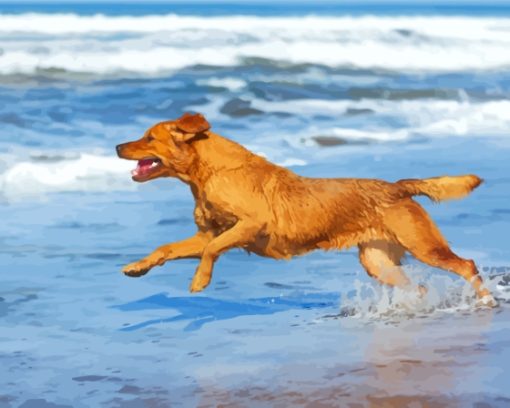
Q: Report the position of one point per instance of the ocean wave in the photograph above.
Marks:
(159, 44)
(39, 175)
(426, 118)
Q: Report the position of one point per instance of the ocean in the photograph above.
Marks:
(326, 90)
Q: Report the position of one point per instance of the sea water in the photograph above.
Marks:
(328, 91)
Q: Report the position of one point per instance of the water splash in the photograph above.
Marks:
(445, 294)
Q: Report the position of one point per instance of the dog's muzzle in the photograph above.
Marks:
(119, 149)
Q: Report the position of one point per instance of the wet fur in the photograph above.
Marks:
(243, 200)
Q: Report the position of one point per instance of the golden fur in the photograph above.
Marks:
(243, 200)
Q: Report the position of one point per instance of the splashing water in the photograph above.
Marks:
(445, 294)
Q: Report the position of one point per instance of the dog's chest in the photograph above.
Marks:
(212, 218)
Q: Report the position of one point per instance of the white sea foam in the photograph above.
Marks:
(423, 118)
(154, 44)
(84, 172)
(232, 84)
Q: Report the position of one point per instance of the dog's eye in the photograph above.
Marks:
(150, 138)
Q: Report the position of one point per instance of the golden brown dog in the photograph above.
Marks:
(242, 200)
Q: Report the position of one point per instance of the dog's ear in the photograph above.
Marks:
(192, 125)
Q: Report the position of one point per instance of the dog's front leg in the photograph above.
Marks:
(189, 248)
(240, 234)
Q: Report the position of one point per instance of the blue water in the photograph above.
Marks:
(259, 8)
(323, 96)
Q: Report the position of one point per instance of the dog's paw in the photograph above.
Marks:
(137, 269)
(199, 283)
(486, 301)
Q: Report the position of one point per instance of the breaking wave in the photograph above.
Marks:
(39, 175)
(156, 44)
(425, 118)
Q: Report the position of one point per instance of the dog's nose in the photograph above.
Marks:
(119, 149)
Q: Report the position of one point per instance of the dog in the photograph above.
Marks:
(244, 201)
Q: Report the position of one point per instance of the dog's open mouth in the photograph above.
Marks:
(145, 168)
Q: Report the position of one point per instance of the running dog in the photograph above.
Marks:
(244, 201)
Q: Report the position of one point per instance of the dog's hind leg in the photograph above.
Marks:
(381, 259)
(188, 248)
(418, 234)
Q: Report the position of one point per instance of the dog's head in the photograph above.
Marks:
(164, 150)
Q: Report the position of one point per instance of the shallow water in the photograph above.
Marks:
(313, 331)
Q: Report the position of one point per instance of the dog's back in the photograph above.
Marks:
(301, 214)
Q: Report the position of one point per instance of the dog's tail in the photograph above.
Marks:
(440, 188)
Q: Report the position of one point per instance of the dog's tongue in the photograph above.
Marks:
(143, 167)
